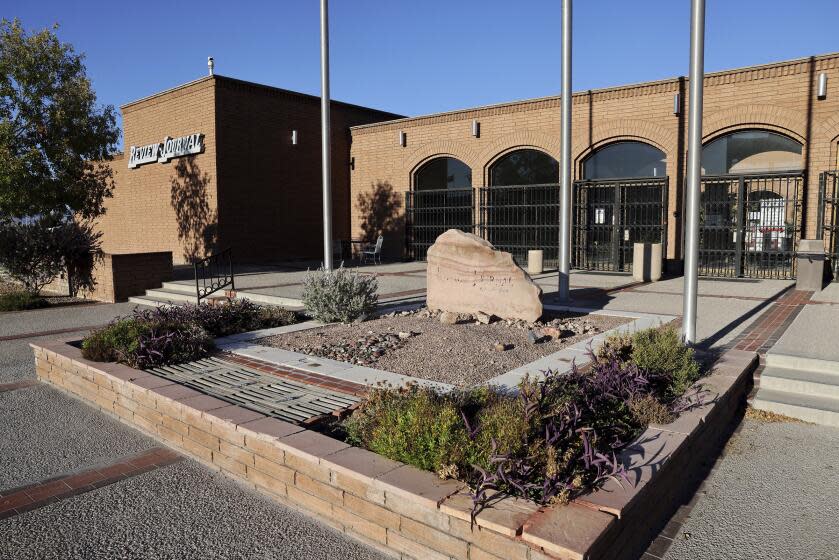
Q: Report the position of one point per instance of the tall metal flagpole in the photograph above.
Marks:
(325, 135)
(694, 169)
(565, 181)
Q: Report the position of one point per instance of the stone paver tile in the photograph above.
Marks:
(415, 484)
(123, 372)
(176, 392)
(312, 444)
(152, 382)
(203, 403)
(646, 455)
(688, 422)
(271, 427)
(356, 461)
(235, 414)
(506, 515)
(567, 531)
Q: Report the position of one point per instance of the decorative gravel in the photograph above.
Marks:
(419, 345)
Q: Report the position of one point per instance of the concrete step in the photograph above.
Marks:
(151, 302)
(188, 288)
(803, 382)
(171, 295)
(267, 299)
(789, 361)
(810, 408)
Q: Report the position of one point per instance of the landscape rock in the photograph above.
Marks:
(500, 347)
(483, 318)
(466, 274)
(449, 318)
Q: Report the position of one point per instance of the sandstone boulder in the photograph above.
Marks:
(466, 274)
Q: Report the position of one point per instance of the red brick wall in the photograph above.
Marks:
(778, 97)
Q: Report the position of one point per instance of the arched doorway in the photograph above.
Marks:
(520, 208)
(621, 200)
(441, 198)
(750, 199)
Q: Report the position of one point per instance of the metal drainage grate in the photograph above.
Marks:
(284, 399)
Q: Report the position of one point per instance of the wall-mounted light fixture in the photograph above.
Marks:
(476, 128)
(677, 104)
(822, 85)
(352, 163)
(403, 138)
(293, 137)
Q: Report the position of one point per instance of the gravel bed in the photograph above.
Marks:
(418, 344)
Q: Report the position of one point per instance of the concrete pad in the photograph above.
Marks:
(734, 287)
(830, 293)
(812, 334)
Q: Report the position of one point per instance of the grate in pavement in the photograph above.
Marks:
(282, 398)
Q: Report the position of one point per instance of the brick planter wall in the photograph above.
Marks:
(394, 507)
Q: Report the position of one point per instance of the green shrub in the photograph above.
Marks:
(661, 352)
(117, 341)
(272, 316)
(339, 295)
(20, 301)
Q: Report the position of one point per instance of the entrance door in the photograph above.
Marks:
(610, 216)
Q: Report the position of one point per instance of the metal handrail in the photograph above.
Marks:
(213, 273)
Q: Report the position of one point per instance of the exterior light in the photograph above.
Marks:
(352, 163)
(210, 64)
(822, 85)
(293, 137)
(476, 128)
(403, 139)
(677, 104)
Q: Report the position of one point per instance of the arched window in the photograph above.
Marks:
(524, 167)
(443, 173)
(751, 151)
(621, 160)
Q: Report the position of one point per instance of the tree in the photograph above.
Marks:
(54, 140)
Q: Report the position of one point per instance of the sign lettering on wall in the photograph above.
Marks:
(168, 149)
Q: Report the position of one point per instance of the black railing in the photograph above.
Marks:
(214, 273)
(828, 224)
(611, 215)
(429, 213)
(518, 218)
(749, 225)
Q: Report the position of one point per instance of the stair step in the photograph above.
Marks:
(151, 302)
(804, 382)
(810, 408)
(163, 294)
(186, 288)
(789, 361)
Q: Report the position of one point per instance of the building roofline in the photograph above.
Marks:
(587, 92)
(256, 85)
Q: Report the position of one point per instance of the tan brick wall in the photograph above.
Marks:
(119, 277)
(142, 216)
(779, 97)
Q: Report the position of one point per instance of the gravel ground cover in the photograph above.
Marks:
(44, 432)
(183, 511)
(772, 494)
(418, 344)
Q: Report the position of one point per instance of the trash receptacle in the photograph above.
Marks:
(646, 262)
(810, 265)
(535, 261)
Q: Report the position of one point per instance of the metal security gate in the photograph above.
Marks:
(829, 217)
(749, 225)
(429, 213)
(522, 217)
(610, 216)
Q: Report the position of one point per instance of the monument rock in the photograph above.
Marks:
(466, 274)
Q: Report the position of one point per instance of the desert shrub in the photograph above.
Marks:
(662, 353)
(649, 410)
(340, 295)
(37, 251)
(20, 301)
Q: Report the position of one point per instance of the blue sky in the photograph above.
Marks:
(414, 57)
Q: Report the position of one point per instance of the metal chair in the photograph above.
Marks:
(373, 251)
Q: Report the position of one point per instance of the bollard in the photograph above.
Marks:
(535, 261)
(646, 262)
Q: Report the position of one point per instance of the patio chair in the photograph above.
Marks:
(373, 251)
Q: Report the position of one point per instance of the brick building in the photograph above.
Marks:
(768, 136)
(237, 180)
